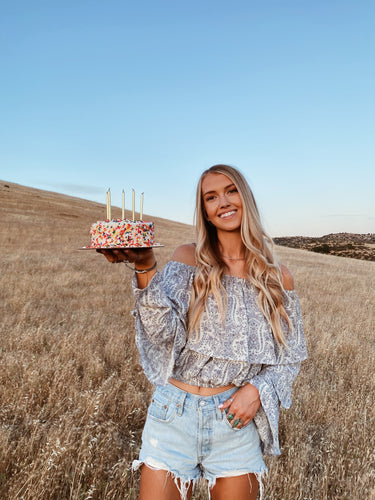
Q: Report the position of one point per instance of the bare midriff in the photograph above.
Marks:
(201, 391)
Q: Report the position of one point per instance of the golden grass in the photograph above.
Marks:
(73, 397)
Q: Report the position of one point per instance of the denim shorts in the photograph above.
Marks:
(188, 436)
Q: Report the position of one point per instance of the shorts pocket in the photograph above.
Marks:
(225, 418)
(162, 409)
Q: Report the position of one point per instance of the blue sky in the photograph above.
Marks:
(147, 94)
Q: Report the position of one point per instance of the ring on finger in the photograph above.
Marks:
(236, 422)
(230, 416)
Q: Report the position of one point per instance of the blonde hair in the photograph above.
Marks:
(262, 269)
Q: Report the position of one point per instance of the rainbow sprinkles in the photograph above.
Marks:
(118, 233)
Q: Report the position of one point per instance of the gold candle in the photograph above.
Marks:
(109, 204)
(133, 205)
(141, 212)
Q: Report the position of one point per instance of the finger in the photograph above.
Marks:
(226, 404)
(109, 255)
(236, 423)
(138, 255)
(245, 422)
(121, 255)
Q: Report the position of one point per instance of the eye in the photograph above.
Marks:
(210, 198)
(233, 190)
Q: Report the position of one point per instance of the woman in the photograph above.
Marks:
(219, 333)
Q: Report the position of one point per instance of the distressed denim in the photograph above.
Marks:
(190, 437)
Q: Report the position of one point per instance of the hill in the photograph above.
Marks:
(56, 221)
(73, 398)
(356, 246)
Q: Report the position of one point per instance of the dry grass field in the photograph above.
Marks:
(73, 397)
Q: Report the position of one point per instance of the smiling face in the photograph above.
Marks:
(222, 202)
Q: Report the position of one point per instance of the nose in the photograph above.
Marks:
(223, 201)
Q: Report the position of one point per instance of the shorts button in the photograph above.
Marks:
(202, 403)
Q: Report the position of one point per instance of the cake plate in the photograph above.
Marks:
(129, 247)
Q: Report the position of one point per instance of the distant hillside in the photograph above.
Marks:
(355, 246)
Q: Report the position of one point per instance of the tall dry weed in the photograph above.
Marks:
(73, 397)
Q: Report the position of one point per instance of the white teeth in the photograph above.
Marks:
(227, 214)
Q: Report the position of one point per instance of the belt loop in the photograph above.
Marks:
(180, 403)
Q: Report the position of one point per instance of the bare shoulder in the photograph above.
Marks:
(185, 254)
(288, 281)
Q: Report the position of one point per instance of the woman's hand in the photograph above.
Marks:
(242, 406)
(142, 257)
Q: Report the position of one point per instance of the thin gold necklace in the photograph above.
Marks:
(232, 258)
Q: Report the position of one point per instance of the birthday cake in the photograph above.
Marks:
(117, 233)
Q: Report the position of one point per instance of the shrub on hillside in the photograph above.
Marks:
(322, 248)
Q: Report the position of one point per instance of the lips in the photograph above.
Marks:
(227, 214)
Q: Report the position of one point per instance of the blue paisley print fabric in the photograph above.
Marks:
(238, 350)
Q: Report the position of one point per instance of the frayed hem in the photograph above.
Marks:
(259, 477)
(182, 485)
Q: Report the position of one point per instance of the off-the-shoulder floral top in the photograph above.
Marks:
(238, 350)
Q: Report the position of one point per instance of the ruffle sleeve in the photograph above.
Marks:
(274, 381)
(161, 320)
(274, 384)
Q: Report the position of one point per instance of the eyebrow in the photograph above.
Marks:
(226, 187)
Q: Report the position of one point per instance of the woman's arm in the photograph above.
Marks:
(143, 259)
(161, 311)
(261, 398)
(287, 278)
(145, 262)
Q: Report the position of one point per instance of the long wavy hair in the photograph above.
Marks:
(263, 271)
